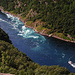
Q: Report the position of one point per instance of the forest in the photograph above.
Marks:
(59, 15)
(15, 62)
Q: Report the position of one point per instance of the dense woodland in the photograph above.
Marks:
(58, 14)
(4, 36)
(15, 62)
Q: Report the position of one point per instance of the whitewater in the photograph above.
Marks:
(23, 31)
(41, 49)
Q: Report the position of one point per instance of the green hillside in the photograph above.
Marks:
(15, 62)
(4, 36)
(53, 16)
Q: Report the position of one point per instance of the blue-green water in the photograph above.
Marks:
(41, 49)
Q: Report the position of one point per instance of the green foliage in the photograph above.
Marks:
(4, 36)
(60, 18)
(15, 62)
(59, 14)
(11, 59)
(22, 72)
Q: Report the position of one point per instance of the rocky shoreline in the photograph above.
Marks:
(51, 35)
(5, 74)
(62, 39)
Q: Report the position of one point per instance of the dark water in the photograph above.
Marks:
(42, 50)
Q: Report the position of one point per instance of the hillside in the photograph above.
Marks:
(47, 17)
(15, 62)
(4, 36)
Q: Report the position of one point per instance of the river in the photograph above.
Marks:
(41, 49)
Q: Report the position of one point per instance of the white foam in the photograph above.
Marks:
(15, 21)
(24, 32)
(23, 27)
(63, 55)
(12, 17)
(9, 16)
(27, 32)
(19, 34)
(72, 64)
(34, 37)
(4, 21)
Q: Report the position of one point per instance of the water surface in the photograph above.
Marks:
(41, 49)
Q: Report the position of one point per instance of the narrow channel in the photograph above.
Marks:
(41, 49)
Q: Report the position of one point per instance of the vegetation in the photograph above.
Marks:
(62, 36)
(15, 62)
(58, 14)
(4, 36)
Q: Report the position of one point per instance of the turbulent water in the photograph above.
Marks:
(41, 49)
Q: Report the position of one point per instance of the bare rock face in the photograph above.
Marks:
(5, 74)
(54, 1)
(69, 36)
(19, 4)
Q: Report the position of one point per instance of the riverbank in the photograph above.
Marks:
(20, 64)
(42, 32)
(5, 74)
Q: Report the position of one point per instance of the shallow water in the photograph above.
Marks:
(41, 49)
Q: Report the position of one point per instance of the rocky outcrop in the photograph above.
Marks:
(5, 74)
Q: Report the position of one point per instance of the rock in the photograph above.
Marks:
(5, 74)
